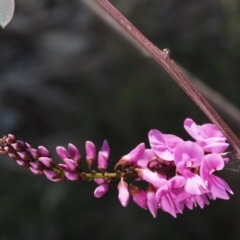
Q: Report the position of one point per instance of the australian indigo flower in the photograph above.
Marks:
(178, 173)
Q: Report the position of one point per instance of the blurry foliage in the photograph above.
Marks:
(67, 77)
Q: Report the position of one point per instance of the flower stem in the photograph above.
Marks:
(107, 176)
(164, 59)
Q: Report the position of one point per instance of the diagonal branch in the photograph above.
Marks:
(218, 100)
(164, 59)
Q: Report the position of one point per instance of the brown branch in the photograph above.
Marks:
(231, 111)
(164, 59)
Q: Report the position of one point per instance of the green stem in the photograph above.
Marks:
(118, 175)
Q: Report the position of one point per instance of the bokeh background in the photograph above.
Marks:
(66, 76)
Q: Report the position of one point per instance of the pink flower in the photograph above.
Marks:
(123, 193)
(165, 195)
(151, 200)
(163, 145)
(178, 173)
(217, 186)
(207, 136)
(189, 155)
(71, 159)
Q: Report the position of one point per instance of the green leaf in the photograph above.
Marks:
(6, 11)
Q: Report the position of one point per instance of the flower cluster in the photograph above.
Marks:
(178, 173)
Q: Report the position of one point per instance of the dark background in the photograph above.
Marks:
(66, 76)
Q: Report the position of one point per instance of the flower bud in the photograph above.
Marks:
(123, 194)
(90, 153)
(101, 190)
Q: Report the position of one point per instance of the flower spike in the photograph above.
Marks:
(178, 173)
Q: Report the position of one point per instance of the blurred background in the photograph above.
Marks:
(67, 76)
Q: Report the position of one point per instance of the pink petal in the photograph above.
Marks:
(215, 147)
(158, 145)
(36, 165)
(167, 205)
(201, 200)
(57, 179)
(145, 158)
(62, 152)
(35, 171)
(102, 161)
(50, 174)
(155, 138)
(63, 167)
(105, 149)
(220, 183)
(194, 184)
(153, 178)
(219, 193)
(139, 197)
(19, 145)
(207, 135)
(176, 182)
(162, 191)
(43, 151)
(190, 203)
(46, 161)
(74, 153)
(165, 154)
(183, 197)
(123, 194)
(135, 154)
(172, 141)
(33, 152)
(152, 203)
(70, 163)
(101, 190)
(214, 161)
(210, 130)
(22, 155)
(188, 151)
(72, 176)
(211, 162)
(90, 150)
(193, 129)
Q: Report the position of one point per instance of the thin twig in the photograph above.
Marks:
(164, 59)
